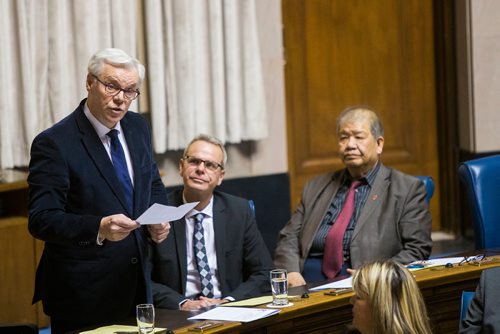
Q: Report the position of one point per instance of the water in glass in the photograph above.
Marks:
(279, 286)
(145, 318)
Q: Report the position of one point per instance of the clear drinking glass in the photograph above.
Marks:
(279, 286)
(145, 314)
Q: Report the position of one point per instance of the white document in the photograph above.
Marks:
(416, 265)
(342, 284)
(159, 213)
(238, 314)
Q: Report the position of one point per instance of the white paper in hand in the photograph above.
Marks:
(159, 213)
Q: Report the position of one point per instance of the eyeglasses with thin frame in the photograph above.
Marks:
(195, 162)
(474, 260)
(112, 90)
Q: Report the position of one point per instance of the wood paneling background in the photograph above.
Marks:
(378, 53)
(19, 254)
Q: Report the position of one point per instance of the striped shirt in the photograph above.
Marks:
(334, 210)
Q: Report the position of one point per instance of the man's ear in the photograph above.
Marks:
(221, 177)
(380, 145)
(181, 167)
(88, 82)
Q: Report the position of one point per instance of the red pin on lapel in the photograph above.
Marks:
(374, 197)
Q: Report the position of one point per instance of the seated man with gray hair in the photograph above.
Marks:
(362, 213)
(215, 253)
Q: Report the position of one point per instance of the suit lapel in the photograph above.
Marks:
(219, 222)
(179, 235)
(133, 142)
(99, 156)
(375, 198)
(320, 204)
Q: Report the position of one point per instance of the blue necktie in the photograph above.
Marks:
(200, 252)
(120, 165)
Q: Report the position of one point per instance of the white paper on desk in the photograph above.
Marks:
(435, 262)
(159, 213)
(342, 284)
(238, 314)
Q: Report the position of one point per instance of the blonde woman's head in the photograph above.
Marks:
(387, 300)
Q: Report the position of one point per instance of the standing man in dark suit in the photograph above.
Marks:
(388, 216)
(215, 253)
(483, 314)
(90, 175)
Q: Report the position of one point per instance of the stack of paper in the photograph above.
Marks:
(238, 314)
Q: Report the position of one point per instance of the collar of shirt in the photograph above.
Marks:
(367, 179)
(208, 210)
(100, 128)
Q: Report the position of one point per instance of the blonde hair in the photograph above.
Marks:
(394, 297)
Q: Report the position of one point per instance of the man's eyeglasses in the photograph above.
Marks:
(112, 90)
(195, 162)
(474, 260)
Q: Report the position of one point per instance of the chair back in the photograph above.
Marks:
(465, 302)
(251, 204)
(481, 178)
(19, 328)
(429, 186)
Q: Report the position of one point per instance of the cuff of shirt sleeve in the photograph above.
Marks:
(100, 243)
(182, 302)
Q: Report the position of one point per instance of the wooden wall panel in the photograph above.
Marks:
(19, 253)
(378, 53)
(17, 267)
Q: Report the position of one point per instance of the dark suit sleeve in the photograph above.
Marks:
(257, 261)
(473, 321)
(166, 297)
(483, 314)
(49, 186)
(415, 226)
(297, 234)
(287, 252)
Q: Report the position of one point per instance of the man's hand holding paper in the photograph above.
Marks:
(159, 213)
(158, 216)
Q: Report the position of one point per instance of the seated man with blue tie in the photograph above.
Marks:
(362, 213)
(215, 253)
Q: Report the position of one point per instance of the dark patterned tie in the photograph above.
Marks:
(200, 252)
(333, 255)
(120, 165)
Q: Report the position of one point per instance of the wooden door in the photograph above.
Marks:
(378, 53)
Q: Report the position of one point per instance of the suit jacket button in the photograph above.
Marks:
(83, 243)
(133, 260)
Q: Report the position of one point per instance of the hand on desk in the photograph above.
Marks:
(191, 305)
(295, 279)
(116, 227)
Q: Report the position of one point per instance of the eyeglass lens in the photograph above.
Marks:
(210, 165)
(110, 89)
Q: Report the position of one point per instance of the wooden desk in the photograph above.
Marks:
(442, 291)
(19, 253)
